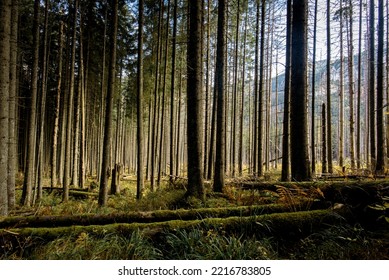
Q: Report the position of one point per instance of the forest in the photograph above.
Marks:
(176, 129)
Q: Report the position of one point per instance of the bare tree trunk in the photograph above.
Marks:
(261, 90)
(285, 176)
(351, 83)
(240, 149)
(139, 104)
(380, 167)
(57, 109)
(162, 135)
(218, 184)
(324, 140)
(313, 156)
(359, 88)
(194, 96)
(172, 90)
(329, 124)
(5, 36)
(372, 88)
(298, 107)
(103, 192)
(156, 87)
(13, 79)
(341, 92)
(66, 181)
(29, 178)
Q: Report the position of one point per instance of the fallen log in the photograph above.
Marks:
(349, 192)
(150, 217)
(281, 225)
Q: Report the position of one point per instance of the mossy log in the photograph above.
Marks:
(149, 217)
(349, 192)
(280, 225)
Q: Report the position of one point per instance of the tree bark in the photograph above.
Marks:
(103, 192)
(380, 166)
(194, 97)
(13, 79)
(57, 109)
(139, 104)
(313, 156)
(299, 136)
(29, 178)
(329, 124)
(68, 146)
(5, 44)
(285, 173)
(372, 127)
(219, 175)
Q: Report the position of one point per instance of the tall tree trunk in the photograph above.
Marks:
(162, 136)
(235, 93)
(359, 88)
(351, 83)
(329, 124)
(103, 192)
(13, 79)
(42, 101)
(103, 94)
(256, 90)
(156, 94)
(341, 92)
(68, 149)
(57, 109)
(218, 184)
(172, 89)
(139, 104)
(313, 156)
(380, 166)
(298, 106)
(240, 149)
(372, 87)
(261, 90)
(5, 35)
(194, 97)
(29, 177)
(285, 173)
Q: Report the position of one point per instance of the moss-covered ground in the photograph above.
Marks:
(278, 222)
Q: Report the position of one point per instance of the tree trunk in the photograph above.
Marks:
(139, 104)
(13, 79)
(285, 176)
(261, 91)
(29, 177)
(359, 88)
(329, 124)
(218, 184)
(372, 77)
(5, 44)
(351, 84)
(103, 192)
(298, 106)
(341, 92)
(172, 89)
(194, 97)
(324, 140)
(156, 89)
(57, 109)
(380, 166)
(68, 147)
(313, 156)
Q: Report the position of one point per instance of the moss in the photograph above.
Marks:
(147, 217)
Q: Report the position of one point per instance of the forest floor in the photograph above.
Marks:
(322, 219)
